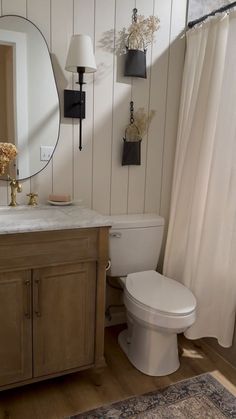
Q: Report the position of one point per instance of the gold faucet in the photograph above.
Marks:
(15, 187)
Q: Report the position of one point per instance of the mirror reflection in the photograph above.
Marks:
(29, 104)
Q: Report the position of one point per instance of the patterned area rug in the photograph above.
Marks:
(201, 397)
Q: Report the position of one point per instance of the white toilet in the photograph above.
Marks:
(157, 307)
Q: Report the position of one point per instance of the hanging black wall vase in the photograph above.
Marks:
(131, 153)
(135, 63)
(135, 57)
(132, 144)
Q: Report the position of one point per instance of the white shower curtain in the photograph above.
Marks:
(201, 243)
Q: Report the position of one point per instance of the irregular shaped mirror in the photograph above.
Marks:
(29, 103)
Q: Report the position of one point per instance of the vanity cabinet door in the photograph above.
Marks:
(64, 317)
(15, 327)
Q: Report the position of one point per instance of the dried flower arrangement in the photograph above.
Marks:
(142, 121)
(8, 152)
(141, 32)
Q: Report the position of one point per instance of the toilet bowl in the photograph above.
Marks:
(158, 308)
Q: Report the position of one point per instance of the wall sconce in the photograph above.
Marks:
(80, 59)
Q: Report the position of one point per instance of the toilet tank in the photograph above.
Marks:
(135, 243)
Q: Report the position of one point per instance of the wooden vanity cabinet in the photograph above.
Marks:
(15, 327)
(52, 299)
(64, 301)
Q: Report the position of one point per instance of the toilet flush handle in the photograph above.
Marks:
(115, 234)
(108, 265)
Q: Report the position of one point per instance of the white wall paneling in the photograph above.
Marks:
(157, 98)
(103, 105)
(14, 7)
(61, 30)
(95, 174)
(121, 101)
(140, 96)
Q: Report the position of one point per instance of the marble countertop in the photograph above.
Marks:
(24, 219)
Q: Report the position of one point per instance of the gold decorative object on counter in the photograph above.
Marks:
(15, 187)
(8, 152)
(32, 199)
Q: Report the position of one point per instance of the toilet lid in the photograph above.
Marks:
(160, 293)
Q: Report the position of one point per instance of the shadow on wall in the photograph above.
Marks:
(106, 43)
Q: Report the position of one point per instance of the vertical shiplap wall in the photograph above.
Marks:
(95, 175)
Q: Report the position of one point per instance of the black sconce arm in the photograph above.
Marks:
(74, 102)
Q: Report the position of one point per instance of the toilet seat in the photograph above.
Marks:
(160, 293)
(158, 300)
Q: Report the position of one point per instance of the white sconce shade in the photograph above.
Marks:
(81, 54)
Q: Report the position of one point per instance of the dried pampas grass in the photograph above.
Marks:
(139, 128)
(143, 120)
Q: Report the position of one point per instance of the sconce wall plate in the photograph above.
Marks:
(74, 104)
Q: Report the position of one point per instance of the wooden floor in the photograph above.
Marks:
(64, 396)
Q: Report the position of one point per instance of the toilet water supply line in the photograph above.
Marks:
(108, 310)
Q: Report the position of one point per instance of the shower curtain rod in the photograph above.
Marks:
(220, 10)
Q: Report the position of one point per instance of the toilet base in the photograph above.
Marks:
(151, 351)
